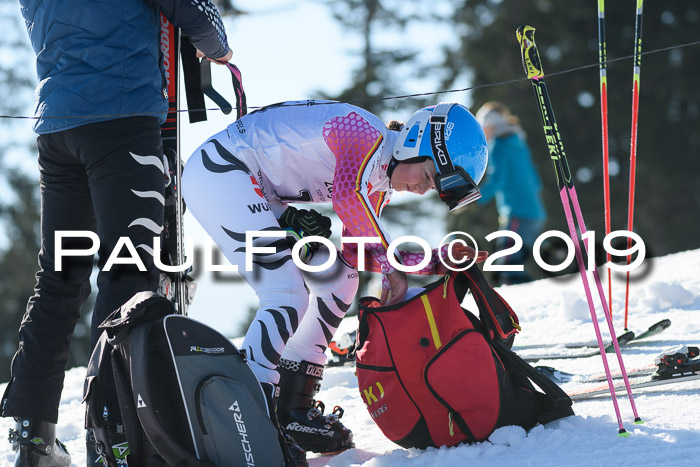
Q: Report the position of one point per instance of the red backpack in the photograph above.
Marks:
(433, 374)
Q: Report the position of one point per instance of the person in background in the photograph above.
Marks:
(512, 179)
(100, 101)
(244, 179)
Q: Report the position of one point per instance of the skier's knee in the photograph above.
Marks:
(339, 279)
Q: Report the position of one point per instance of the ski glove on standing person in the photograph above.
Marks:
(99, 105)
(244, 178)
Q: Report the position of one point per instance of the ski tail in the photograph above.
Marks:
(534, 71)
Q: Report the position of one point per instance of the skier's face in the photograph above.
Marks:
(416, 178)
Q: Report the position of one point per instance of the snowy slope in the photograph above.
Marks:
(550, 311)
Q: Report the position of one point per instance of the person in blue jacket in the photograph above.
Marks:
(512, 179)
(100, 100)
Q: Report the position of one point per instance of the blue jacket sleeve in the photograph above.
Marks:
(199, 20)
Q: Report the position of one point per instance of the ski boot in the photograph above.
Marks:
(36, 444)
(294, 455)
(302, 417)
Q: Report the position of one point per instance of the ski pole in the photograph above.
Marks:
(633, 139)
(533, 70)
(602, 58)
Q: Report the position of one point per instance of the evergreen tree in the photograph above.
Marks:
(669, 114)
(377, 75)
(382, 69)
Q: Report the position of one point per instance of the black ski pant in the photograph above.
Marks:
(106, 178)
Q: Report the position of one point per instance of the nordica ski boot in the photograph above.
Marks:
(302, 417)
(36, 444)
(293, 453)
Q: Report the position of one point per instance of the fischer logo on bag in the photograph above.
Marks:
(242, 432)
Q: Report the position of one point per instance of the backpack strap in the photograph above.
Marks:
(554, 403)
(134, 432)
(193, 84)
(497, 316)
(101, 410)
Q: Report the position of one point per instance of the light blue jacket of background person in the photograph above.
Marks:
(98, 60)
(512, 179)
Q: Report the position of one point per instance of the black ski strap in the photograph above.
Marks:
(193, 87)
(198, 84)
(211, 93)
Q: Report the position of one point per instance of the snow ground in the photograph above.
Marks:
(551, 311)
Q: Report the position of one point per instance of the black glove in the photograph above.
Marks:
(305, 222)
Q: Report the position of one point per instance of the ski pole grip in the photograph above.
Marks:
(529, 53)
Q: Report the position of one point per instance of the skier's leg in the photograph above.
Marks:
(301, 368)
(123, 159)
(52, 312)
(331, 294)
(38, 368)
(227, 202)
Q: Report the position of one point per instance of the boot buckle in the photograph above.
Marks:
(316, 410)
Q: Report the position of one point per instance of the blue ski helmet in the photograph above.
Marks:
(450, 135)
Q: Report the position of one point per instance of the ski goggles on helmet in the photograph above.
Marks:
(456, 189)
(454, 185)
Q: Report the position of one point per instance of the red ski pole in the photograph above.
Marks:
(633, 140)
(602, 57)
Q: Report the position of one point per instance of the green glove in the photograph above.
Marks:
(306, 222)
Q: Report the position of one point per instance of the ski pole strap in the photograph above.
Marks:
(211, 93)
(241, 104)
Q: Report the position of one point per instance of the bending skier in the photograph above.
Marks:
(243, 178)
